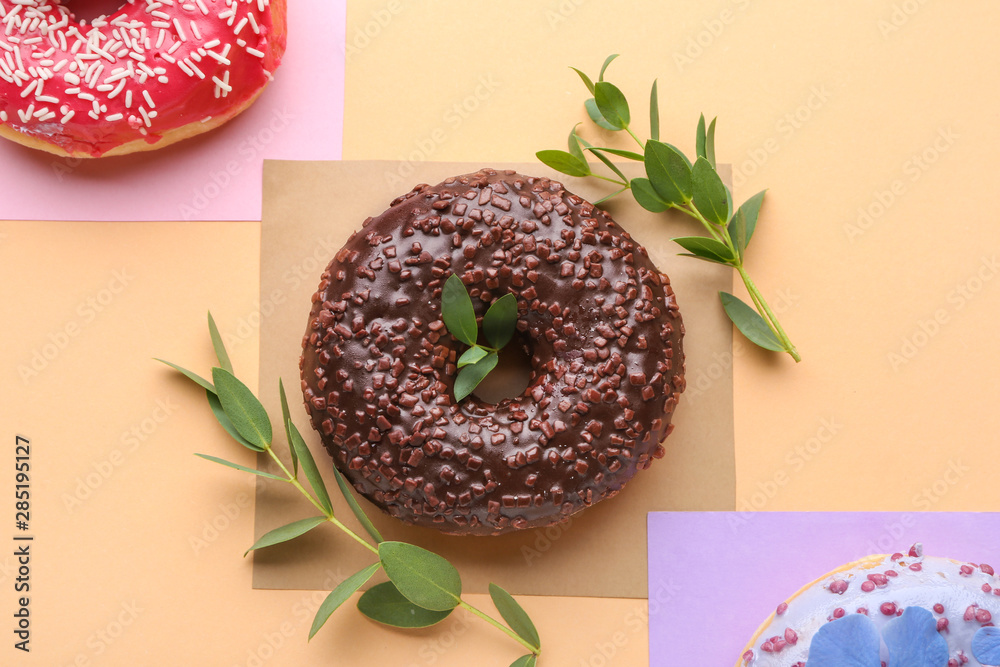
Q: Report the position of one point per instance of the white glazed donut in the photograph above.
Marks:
(963, 598)
(148, 75)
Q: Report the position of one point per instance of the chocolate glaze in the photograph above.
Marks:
(599, 322)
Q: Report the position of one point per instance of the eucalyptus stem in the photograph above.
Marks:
(357, 538)
(642, 145)
(772, 319)
(510, 633)
(612, 180)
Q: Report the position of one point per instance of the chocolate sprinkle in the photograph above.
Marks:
(598, 321)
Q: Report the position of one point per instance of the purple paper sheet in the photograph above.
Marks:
(715, 576)
(216, 176)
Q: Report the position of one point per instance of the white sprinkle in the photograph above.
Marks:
(149, 100)
(85, 96)
(49, 116)
(59, 65)
(47, 98)
(105, 87)
(253, 23)
(242, 42)
(184, 68)
(202, 7)
(145, 116)
(195, 69)
(211, 45)
(114, 93)
(31, 87)
(180, 30)
(169, 58)
(128, 99)
(159, 38)
(254, 52)
(206, 119)
(194, 29)
(114, 117)
(3, 116)
(161, 15)
(69, 114)
(163, 79)
(239, 26)
(174, 47)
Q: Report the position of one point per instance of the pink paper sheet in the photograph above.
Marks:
(715, 576)
(216, 176)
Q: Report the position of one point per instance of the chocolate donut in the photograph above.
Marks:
(599, 323)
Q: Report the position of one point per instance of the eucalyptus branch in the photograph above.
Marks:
(423, 588)
(674, 182)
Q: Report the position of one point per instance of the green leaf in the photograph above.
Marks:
(706, 248)
(515, 616)
(355, 507)
(456, 308)
(608, 163)
(500, 321)
(469, 377)
(586, 80)
(647, 197)
(710, 143)
(385, 604)
(742, 226)
(574, 145)
(471, 356)
(189, 375)
(750, 323)
(285, 419)
(595, 115)
(220, 415)
(424, 578)
(631, 155)
(525, 661)
(564, 163)
(610, 196)
(612, 104)
(220, 347)
(604, 67)
(239, 467)
(309, 468)
(242, 407)
(709, 194)
(339, 596)
(668, 171)
(654, 114)
(287, 532)
(699, 140)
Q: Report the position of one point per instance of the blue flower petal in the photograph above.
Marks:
(913, 640)
(986, 646)
(851, 641)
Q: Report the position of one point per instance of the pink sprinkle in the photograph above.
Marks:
(839, 586)
(782, 608)
(791, 637)
(939, 608)
(987, 588)
(891, 573)
(888, 608)
(916, 567)
(779, 645)
(987, 569)
(878, 579)
(863, 610)
(917, 550)
(942, 625)
(983, 616)
(748, 656)
(896, 556)
(839, 612)
(767, 647)
(867, 586)
(966, 570)
(970, 613)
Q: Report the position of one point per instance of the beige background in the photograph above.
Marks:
(887, 81)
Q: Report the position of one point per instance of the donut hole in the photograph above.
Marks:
(511, 376)
(88, 10)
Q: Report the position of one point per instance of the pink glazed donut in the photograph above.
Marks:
(151, 74)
